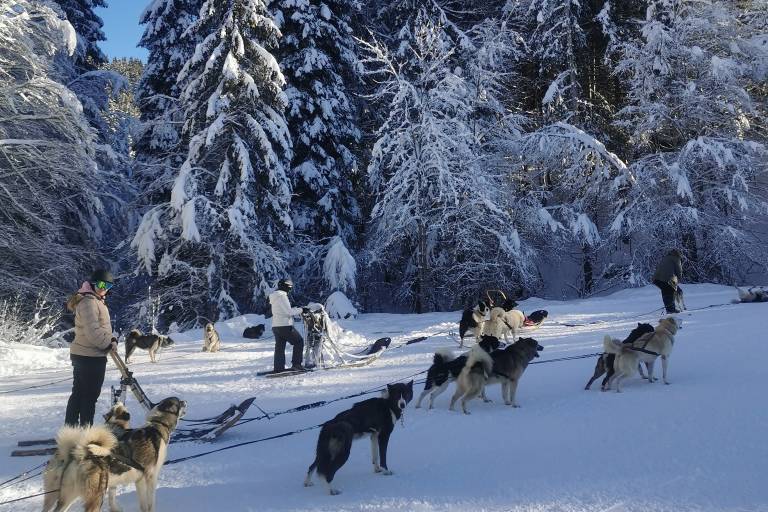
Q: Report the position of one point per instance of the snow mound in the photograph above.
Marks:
(339, 307)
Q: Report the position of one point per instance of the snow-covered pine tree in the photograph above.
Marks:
(318, 57)
(569, 182)
(159, 148)
(87, 24)
(440, 230)
(696, 117)
(216, 245)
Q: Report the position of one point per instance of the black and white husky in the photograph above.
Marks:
(473, 320)
(375, 416)
(446, 367)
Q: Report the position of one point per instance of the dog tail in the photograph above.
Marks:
(611, 346)
(479, 355)
(135, 332)
(443, 355)
(67, 439)
(95, 441)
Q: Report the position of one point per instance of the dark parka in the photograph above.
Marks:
(670, 268)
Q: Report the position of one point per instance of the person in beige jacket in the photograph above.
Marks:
(88, 352)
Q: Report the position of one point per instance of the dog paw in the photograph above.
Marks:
(487, 401)
(387, 472)
(334, 492)
(377, 469)
(308, 483)
(417, 406)
(115, 509)
(516, 406)
(667, 383)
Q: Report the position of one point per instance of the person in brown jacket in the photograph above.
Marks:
(667, 278)
(88, 352)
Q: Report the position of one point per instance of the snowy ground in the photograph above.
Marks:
(696, 445)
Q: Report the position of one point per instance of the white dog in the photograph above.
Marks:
(503, 323)
(211, 339)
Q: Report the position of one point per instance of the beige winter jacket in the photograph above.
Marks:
(93, 328)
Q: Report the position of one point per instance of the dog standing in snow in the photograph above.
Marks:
(473, 320)
(375, 416)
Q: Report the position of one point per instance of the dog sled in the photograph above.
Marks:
(322, 349)
(205, 429)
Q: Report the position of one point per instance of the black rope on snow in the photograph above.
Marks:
(569, 358)
(8, 483)
(27, 497)
(238, 445)
(35, 386)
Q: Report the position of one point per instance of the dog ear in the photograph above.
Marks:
(410, 384)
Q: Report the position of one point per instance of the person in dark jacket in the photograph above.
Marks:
(88, 352)
(667, 277)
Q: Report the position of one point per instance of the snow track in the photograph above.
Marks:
(696, 445)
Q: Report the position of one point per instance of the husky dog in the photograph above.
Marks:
(503, 323)
(625, 363)
(211, 340)
(605, 361)
(446, 367)
(150, 342)
(658, 343)
(752, 294)
(473, 319)
(509, 365)
(471, 380)
(90, 461)
(375, 416)
(118, 419)
(253, 332)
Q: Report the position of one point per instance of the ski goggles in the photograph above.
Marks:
(103, 285)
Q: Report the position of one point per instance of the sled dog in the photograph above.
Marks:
(605, 361)
(473, 320)
(658, 344)
(151, 342)
(503, 323)
(375, 416)
(752, 294)
(472, 377)
(625, 363)
(508, 367)
(91, 461)
(446, 367)
(646, 349)
(211, 339)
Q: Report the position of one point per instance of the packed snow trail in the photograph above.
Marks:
(697, 444)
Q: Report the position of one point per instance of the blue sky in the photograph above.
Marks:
(121, 26)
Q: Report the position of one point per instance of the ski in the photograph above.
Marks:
(35, 442)
(285, 373)
(223, 423)
(34, 452)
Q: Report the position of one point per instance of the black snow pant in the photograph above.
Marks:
(284, 335)
(668, 295)
(86, 388)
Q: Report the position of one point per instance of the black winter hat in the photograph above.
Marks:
(285, 285)
(102, 275)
